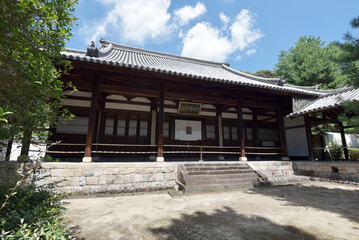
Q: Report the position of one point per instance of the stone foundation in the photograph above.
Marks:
(348, 171)
(92, 178)
(273, 169)
(89, 178)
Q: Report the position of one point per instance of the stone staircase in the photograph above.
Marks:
(195, 177)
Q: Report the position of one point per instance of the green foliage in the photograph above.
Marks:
(32, 34)
(265, 73)
(311, 62)
(32, 213)
(2, 115)
(335, 151)
(349, 59)
(353, 154)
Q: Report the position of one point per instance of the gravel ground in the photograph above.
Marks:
(306, 210)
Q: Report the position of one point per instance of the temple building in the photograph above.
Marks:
(133, 104)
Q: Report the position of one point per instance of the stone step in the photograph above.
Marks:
(216, 172)
(213, 164)
(225, 176)
(200, 168)
(216, 187)
(205, 182)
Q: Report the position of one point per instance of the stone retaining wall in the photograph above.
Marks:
(102, 177)
(332, 170)
(273, 169)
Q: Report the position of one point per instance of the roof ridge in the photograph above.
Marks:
(331, 92)
(165, 55)
(262, 79)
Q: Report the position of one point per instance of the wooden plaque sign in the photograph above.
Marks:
(189, 108)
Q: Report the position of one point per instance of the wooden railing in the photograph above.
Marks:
(201, 150)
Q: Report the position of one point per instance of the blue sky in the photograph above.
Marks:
(247, 33)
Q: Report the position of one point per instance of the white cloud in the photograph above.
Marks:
(251, 51)
(131, 20)
(205, 42)
(243, 34)
(225, 20)
(187, 13)
(209, 43)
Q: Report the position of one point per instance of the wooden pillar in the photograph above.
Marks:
(101, 120)
(308, 130)
(219, 132)
(282, 136)
(255, 134)
(153, 121)
(91, 122)
(241, 132)
(344, 141)
(160, 157)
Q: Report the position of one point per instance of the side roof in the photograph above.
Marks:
(329, 101)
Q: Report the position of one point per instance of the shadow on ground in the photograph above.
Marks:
(226, 224)
(335, 200)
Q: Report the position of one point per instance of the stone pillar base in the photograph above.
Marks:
(285, 158)
(87, 159)
(160, 159)
(243, 159)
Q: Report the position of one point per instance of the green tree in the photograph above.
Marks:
(262, 73)
(265, 73)
(349, 59)
(32, 34)
(311, 62)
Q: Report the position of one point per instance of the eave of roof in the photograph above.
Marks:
(136, 58)
(329, 101)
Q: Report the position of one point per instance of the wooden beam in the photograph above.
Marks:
(128, 91)
(199, 98)
(254, 104)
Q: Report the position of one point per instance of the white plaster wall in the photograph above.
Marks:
(297, 142)
(296, 137)
(229, 115)
(116, 97)
(77, 103)
(291, 122)
(211, 114)
(125, 106)
(77, 125)
(140, 99)
(180, 130)
(78, 93)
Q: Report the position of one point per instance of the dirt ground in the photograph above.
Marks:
(307, 210)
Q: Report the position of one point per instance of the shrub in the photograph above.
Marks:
(31, 213)
(353, 154)
(335, 151)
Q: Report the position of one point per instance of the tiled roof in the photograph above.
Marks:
(130, 57)
(329, 101)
